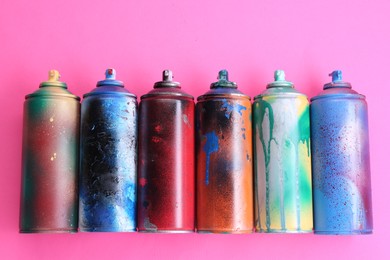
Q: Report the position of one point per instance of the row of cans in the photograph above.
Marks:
(224, 165)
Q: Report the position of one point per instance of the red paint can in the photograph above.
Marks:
(166, 173)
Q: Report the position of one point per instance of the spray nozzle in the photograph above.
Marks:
(279, 75)
(110, 74)
(110, 79)
(280, 80)
(336, 75)
(223, 81)
(337, 81)
(54, 76)
(223, 75)
(167, 75)
(167, 82)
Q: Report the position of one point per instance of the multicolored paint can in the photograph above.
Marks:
(341, 160)
(224, 159)
(108, 161)
(50, 159)
(166, 172)
(283, 190)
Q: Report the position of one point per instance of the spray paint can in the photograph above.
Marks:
(341, 160)
(108, 158)
(50, 157)
(224, 159)
(283, 189)
(166, 174)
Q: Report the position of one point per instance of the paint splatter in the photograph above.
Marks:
(142, 182)
(156, 139)
(186, 121)
(230, 108)
(267, 118)
(210, 147)
(149, 226)
(243, 133)
(158, 128)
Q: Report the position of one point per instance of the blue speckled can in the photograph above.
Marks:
(108, 162)
(340, 160)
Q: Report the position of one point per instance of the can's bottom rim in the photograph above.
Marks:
(225, 231)
(283, 231)
(48, 230)
(344, 233)
(107, 230)
(166, 231)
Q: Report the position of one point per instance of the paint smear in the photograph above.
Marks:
(142, 182)
(210, 147)
(230, 108)
(149, 226)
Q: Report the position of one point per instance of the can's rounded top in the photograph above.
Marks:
(52, 88)
(338, 88)
(167, 81)
(167, 89)
(223, 81)
(280, 88)
(280, 81)
(109, 86)
(337, 81)
(53, 80)
(223, 88)
(110, 79)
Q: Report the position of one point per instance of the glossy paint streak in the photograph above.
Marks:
(108, 171)
(49, 196)
(166, 193)
(341, 166)
(282, 164)
(210, 147)
(224, 165)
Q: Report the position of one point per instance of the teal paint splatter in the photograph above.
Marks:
(266, 149)
(304, 137)
(210, 147)
(230, 108)
(304, 128)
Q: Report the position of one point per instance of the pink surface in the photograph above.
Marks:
(308, 39)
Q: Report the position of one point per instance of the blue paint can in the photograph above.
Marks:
(340, 160)
(108, 158)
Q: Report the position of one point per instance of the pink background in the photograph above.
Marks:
(308, 39)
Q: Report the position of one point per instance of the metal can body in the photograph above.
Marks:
(283, 189)
(166, 193)
(49, 195)
(341, 163)
(224, 160)
(108, 161)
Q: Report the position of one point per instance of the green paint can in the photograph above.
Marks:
(50, 159)
(281, 129)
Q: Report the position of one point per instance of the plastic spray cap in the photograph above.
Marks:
(110, 79)
(167, 81)
(337, 81)
(53, 80)
(223, 81)
(280, 80)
